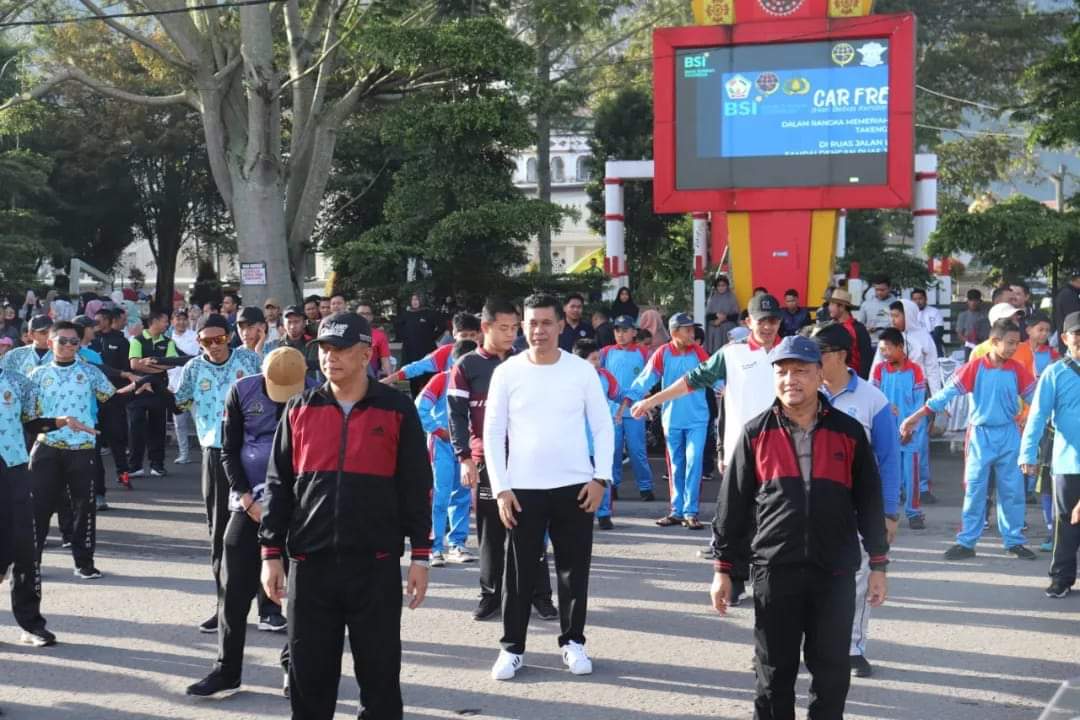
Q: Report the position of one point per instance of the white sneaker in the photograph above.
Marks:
(574, 657)
(507, 665)
(182, 460)
(437, 559)
(137, 473)
(459, 554)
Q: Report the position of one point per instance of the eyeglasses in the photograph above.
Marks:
(67, 341)
(213, 341)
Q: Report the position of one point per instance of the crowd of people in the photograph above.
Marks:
(316, 470)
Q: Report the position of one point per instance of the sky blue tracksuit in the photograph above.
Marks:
(614, 397)
(993, 440)
(905, 389)
(685, 420)
(626, 363)
(450, 498)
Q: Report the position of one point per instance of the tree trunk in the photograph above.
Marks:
(165, 283)
(259, 215)
(543, 154)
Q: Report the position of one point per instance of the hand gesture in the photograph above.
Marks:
(877, 588)
(508, 505)
(590, 497)
(74, 424)
(416, 585)
(640, 409)
(273, 579)
(470, 475)
(720, 592)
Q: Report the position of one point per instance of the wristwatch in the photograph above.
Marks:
(601, 482)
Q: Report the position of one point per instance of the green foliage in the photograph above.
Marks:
(659, 248)
(1017, 238)
(1052, 94)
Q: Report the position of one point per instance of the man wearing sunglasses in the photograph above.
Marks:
(64, 459)
(204, 385)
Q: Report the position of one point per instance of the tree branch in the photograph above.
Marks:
(651, 23)
(72, 74)
(180, 28)
(138, 37)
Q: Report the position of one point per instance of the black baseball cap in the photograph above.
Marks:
(1072, 323)
(294, 310)
(40, 322)
(84, 321)
(832, 337)
(214, 320)
(763, 306)
(250, 314)
(344, 329)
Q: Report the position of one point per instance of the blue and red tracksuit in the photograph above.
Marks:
(450, 499)
(626, 363)
(685, 421)
(436, 361)
(905, 389)
(614, 397)
(993, 440)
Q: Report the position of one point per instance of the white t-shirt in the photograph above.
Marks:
(541, 410)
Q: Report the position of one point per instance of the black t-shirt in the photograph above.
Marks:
(114, 349)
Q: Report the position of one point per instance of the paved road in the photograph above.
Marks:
(956, 641)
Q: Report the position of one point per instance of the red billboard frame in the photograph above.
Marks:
(896, 193)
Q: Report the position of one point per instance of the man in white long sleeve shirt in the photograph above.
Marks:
(540, 405)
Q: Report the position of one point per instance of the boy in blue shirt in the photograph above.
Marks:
(685, 420)
(1057, 399)
(904, 385)
(997, 384)
(625, 360)
(589, 350)
(450, 498)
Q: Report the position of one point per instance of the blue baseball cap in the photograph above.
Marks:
(624, 321)
(679, 320)
(796, 347)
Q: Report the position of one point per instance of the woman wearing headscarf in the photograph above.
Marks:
(652, 321)
(721, 314)
(624, 305)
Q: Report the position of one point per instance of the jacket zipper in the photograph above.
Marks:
(806, 489)
(341, 470)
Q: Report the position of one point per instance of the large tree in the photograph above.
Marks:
(272, 83)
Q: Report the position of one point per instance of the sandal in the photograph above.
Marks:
(692, 523)
(669, 521)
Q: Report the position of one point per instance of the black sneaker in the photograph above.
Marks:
(214, 685)
(1057, 589)
(1021, 552)
(272, 623)
(959, 552)
(65, 542)
(927, 498)
(915, 523)
(545, 609)
(39, 637)
(648, 496)
(488, 608)
(209, 625)
(88, 573)
(158, 471)
(604, 523)
(860, 666)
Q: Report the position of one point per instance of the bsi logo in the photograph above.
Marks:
(695, 61)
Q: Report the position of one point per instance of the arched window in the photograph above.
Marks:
(530, 170)
(584, 168)
(558, 172)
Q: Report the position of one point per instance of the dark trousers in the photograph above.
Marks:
(793, 605)
(56, 472)
(240, 569)
(20, 552)
(328, 594)
(491, 534)
(1066, 535)
(146, 429)
(571, 529)
(99, 476)
(215, 489)
(114, 425)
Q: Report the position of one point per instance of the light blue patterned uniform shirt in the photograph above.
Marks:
(73, 390)
(204, 387)
(15, 405)
(24, 359)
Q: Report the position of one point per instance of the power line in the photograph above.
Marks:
(974, 133)
(134, 14)
(973, 103)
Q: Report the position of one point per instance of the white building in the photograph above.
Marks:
(570, 173)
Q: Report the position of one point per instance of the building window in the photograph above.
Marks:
(530, 170)
(584, 168)
(558, 172)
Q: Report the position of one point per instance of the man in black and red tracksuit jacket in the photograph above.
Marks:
(466, 397)
(801, 489)
(348, 480)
